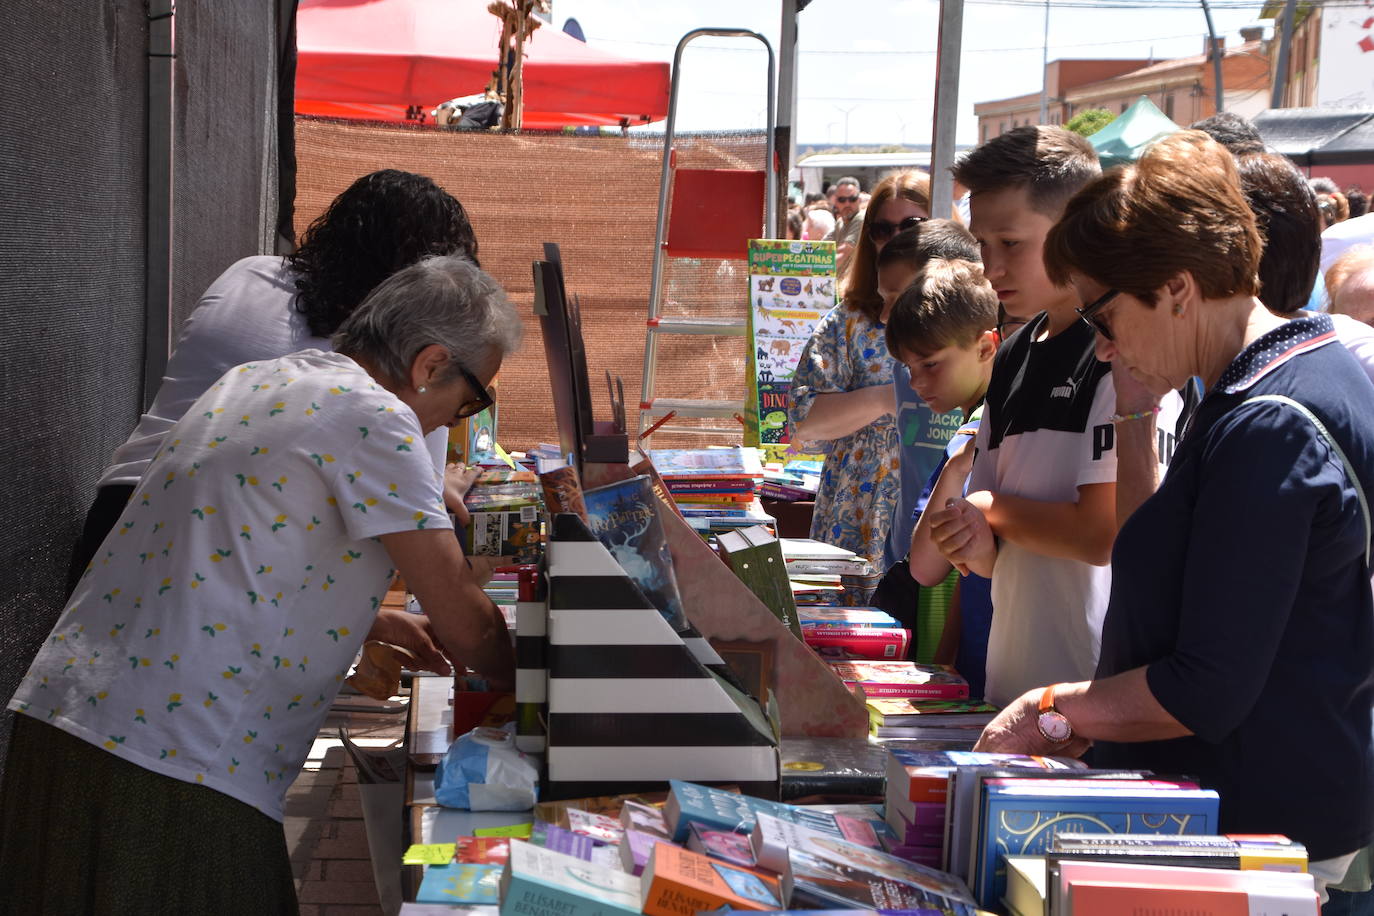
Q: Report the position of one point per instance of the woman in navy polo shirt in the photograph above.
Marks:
(1239, 642)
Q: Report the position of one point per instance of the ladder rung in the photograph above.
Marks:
(722, 327)
(691, 407)
(700, 430)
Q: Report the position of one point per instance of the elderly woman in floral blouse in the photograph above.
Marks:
(180, 691)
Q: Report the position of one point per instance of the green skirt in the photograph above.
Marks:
(84, 831)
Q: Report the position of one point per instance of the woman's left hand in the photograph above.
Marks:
(457, 481)
(410, 631)
(1015, 731)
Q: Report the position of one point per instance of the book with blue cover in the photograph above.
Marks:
(460, 882)
(1020, 818)
(717, 809)
(541, 882)
(624, 517)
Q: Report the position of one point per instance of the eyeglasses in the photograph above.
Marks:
(1007, 326)
(881, 229)
(839, 199)
(1089, 313)
(482, 398)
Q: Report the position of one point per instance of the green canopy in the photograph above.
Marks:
(1123, 140)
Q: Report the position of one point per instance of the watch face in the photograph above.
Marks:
(1054, 726)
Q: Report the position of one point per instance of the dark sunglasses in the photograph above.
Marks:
(846, 200)
(1089, 313)
(482, 398)
(1008, 326)
(882, 230)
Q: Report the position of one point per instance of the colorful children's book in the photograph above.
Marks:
(624, 517)
(902, 679)
(894, 711)
(791, 287)
(872, 643)
(540, 882)
(846, 617)
(678, 882)
(706, 463)
(460, 882)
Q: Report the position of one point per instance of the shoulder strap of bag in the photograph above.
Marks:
(1340, 453)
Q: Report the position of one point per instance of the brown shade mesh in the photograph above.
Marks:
(597, 197)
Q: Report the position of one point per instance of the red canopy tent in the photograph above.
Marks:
(376, 58)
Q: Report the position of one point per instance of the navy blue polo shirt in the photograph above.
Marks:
(1241, 584)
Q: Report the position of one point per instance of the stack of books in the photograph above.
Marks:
(796, 481)
(943, 720)
(1102, 874)
(715, 489)
(918, 804)
(866, 633)
(815, 565)
(704, 849)
(991, 817)
(506, 509)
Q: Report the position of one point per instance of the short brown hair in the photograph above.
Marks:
(1179, 208)
(859, 286)
(933, 238)
(950, 304)
(1051, 163)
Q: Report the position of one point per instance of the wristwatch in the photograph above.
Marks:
(1053, 725)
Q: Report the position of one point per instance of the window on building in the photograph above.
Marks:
(983, 133)
(1169, 106)
(1124, 106)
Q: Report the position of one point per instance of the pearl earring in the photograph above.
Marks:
(421, 390)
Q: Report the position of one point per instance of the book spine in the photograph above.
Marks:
(915, 691)
(531, 898)
(874, 643)
(531, 667)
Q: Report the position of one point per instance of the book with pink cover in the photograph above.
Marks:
(902, 679)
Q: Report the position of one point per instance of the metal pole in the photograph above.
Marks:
(786, 132)
(1216, 55)
(157, 292)
(1280, 86)
(1045, 69)
(946, 106)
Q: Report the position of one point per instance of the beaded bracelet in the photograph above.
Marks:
(1123, 417)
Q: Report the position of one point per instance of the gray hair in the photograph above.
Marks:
(849, 179)
(442, 299)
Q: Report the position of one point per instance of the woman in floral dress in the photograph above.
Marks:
(841, 402)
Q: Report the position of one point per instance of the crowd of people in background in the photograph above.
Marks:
(1155, 508)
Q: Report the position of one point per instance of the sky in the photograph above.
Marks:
(867, 67)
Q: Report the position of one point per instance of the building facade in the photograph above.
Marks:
(1184, 88)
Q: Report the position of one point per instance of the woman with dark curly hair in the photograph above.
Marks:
(265, 307)
(383, 222)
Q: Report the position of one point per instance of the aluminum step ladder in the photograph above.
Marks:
(714, 213)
